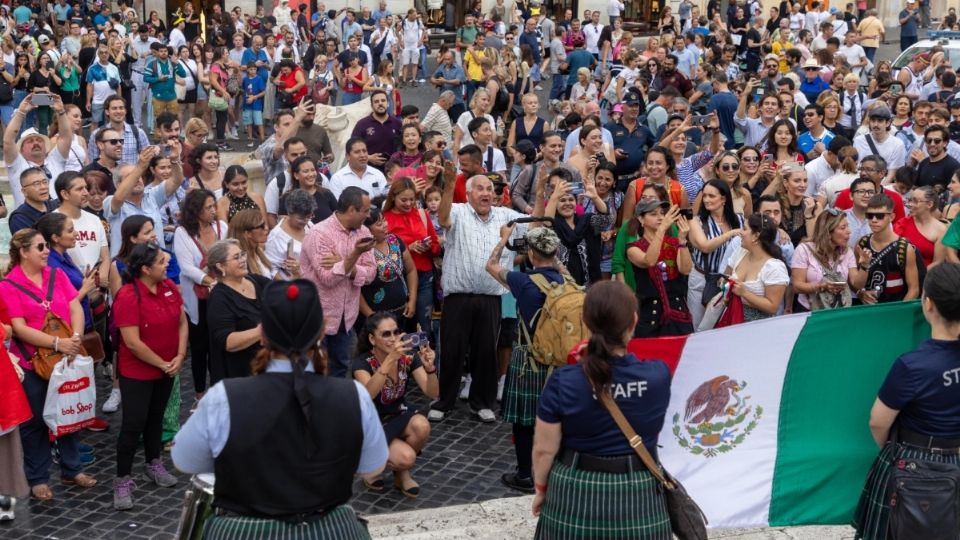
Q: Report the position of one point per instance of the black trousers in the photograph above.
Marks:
(468, 332)
(199, 339)
(143, 405)
(523, 446)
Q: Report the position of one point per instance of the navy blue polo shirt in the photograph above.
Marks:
(641, 390)
(529, 298)
(924, 385)
(633, 143)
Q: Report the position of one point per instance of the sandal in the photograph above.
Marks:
(410, 492)
(377, 485)
(83, 480)
(41, 492)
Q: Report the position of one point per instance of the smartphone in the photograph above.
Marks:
(576, 189)
(701, 120)
(895, 89)
(416, 339)
(166, 150)
(290, 248)
(42, 100)
(687, 213)
(768, 158)
(837, 283)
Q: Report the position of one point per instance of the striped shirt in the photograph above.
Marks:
(711, 263)
(687, 173)
(469, 241)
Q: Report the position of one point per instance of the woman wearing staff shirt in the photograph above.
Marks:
(920, 395)
(153, 330)
(586, 475)
(29, 272)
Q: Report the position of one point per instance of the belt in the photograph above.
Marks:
(309, 517)
(937, 445)
(606, 464)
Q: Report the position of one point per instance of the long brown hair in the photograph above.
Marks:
(608, 311)
(259, 363)
(822, 243)
(246, 221)
(397, 187)
(21, 239)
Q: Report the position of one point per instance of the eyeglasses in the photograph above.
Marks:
(867, 192)
(112, 141)
(395, 332)
(238, 257)
(879, 216)
(727, 167)
(933, 141)
(35, 184)
(41, 246)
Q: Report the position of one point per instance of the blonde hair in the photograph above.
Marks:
(476, 94)
(22, 239)
(194, 124)
(824, 251)
(245, 221)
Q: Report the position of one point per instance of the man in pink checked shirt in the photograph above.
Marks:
(336, 256)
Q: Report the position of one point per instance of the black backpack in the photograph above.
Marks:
(501, 100)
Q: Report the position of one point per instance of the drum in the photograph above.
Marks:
(197, 507)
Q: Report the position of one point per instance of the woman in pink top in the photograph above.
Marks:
(824, 270)
(27, 281)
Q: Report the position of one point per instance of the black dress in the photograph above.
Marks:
(229, 311)
(661, 294)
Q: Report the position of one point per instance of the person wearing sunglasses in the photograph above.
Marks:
(892, 263)
(109, 144)
(29, 271)
(938, 168)
(816, 139)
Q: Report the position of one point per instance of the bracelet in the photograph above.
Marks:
(540, 488)
(681, 246)
(56, 343)
(430, 372)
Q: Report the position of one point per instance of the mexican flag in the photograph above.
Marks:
(768, 421)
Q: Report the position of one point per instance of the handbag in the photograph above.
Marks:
(44, 358)
(687, 520)
(216, 102)
(923, 500)
(321, 92)
(712, 287)
(6, 91)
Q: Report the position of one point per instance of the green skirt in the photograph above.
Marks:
(873, 510)
(171, 415)
(594, 505)
(341, 523)
(522, 387)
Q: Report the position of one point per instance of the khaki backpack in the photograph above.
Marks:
(559, 323)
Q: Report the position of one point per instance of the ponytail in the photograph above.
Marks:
(608, 311)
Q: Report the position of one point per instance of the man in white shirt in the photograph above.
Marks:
(591, 32)
(879, 142)
(357, 172)
(614, 9)
(413, 35)
(91, 248)
(483, 135)
(853, 52)
(820, 42)
(824, 167)
(141, 46)
(812, 20)
(293, 147)
(177, 38)
(31, 149)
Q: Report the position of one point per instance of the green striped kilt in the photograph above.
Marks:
(341, 523)
(873, 511)
(171, 415)
(522, 387)
(591, 505)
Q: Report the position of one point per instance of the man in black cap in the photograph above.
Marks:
(631, 140)
(286, 443)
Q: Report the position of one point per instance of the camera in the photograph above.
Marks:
(519, 244)
(416, 339)
(701, 120)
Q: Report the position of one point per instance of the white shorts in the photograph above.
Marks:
(409, 56)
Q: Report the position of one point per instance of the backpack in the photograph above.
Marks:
(559, 324)
(902, 245)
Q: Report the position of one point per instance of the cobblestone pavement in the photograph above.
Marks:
(461, 464)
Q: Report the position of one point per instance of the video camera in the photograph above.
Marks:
(519, 244)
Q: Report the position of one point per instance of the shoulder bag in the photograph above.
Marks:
(199, 289)
(686, 518)
(44, 359)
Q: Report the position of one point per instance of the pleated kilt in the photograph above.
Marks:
(594, 505)
(873, 510)
(522, 387)
(341, 523)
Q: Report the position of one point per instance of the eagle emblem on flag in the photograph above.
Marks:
(717, 417)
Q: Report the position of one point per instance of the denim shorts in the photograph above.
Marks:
(252, 117)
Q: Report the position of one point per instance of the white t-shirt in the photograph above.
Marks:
(411, 34)
(276, 248)
(465, 120)
(91, 237)
(55, 164)
(854, 54)
(271, 195)
(773, 272)
(891, 149)
(493, 160)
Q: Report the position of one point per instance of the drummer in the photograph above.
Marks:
(286, 443)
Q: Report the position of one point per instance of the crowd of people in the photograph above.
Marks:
(767, 158)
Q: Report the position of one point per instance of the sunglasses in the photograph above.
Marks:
(933, 141)
(727, 167)
(879, 216)
(811, 69)
(258, 226)
(395, 332)
(112, 141)
(41, 246)
(810, 114)
(834, 211)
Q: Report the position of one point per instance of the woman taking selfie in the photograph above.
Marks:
(153, 345)
(286, 239)
(585, 473)
(917, 423)
(386, 365)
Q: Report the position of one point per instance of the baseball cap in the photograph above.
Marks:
(645, 207)
(43, 39)
(881, 112)
(631, 98)
(922, 56)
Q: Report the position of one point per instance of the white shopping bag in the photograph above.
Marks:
(71, 396)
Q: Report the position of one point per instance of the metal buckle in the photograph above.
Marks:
(635, 441)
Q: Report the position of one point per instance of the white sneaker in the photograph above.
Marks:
(465, 391)
(503, 379)
(435, 415)
(486, 416)
(232, 134)
(113, 402)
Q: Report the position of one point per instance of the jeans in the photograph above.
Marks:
(906, 42)
(96, 114)
(349, 98)
(143, 405)
(6, 114)
(421, 67)
(425, 302)
(558, 86)
(535, 73)
(870, 52)
(35, 439)
(221, 124)
(339, 348)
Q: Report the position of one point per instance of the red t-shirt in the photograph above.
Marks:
(158, 317)
(844, 202)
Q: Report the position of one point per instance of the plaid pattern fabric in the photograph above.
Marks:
(873, 511)
(522, 387)
(341, 523)
(594, 505)
(171, 415)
